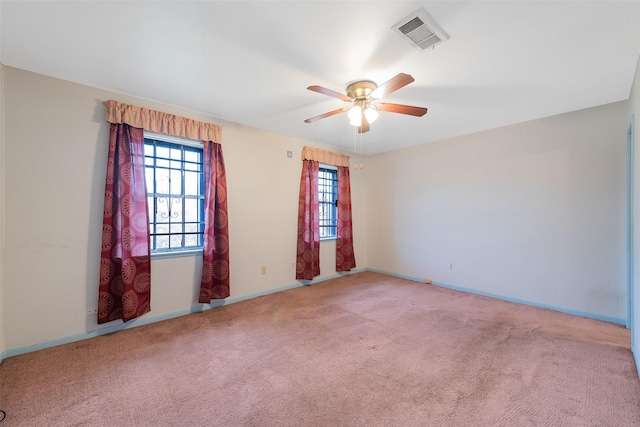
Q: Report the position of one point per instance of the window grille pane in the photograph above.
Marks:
(191, 183)
(191, 210)
(162, 152)
(162, 242)
(148, 174)
(196, 167)
(176, 235)
(152, 209)
(175, 241)
(162, 180)
(192, 156)
(176, 182)
(190, 240)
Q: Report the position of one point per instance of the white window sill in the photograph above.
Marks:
(176, 254)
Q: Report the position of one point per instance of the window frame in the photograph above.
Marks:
(182, 143)
(333, 206)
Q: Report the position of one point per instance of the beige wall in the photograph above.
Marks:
(56, 147)
(532, 212)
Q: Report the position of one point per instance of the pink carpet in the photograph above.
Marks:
(362, 350)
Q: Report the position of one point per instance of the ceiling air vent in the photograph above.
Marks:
(420, 30)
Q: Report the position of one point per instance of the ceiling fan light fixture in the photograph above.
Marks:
(356, 122)
(371, 113)
(355, 115)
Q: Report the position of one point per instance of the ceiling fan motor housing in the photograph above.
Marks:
(361, 89)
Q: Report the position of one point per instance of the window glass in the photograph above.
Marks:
(328, 201)
(175, 190)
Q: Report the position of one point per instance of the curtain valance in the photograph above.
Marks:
(156, 121)
(323, 156)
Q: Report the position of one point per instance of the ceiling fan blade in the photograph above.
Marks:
(402, 109)
(364, 127)
(329, 92)
(397, 82)
(322, 116)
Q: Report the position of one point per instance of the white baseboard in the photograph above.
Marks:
(610, 319)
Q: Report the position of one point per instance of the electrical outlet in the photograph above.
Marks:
(451, 266)
(92, 310)
(263, 270)
(293, 265)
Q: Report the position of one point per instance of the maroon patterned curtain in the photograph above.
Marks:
(125, 265)
(345, 257)
(215, 253)
(308, 254)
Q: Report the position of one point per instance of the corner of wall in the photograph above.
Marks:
(2, 143)
(634, 115)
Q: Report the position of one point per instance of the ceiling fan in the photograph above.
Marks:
(364, 96)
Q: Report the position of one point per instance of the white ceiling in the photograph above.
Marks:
(250, 61)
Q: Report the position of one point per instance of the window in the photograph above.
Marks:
(175, 194)
(328, 200)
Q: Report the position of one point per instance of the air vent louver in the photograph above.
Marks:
(420, 30)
